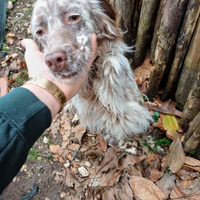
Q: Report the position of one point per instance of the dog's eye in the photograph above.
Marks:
(74, 18)
(39, 32)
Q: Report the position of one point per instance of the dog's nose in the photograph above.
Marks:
(56, 61)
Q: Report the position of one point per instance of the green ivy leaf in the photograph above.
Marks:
(156, 116)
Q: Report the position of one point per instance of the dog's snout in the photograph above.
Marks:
(56, 61)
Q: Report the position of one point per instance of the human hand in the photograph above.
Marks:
(36, 66)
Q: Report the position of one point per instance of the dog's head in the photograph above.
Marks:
(64, 27)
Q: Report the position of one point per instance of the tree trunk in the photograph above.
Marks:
(192, 106)
(125, 10)
(145, 30)
(185, 35)
(190, 70)
(136, 18)
(168, 31)
(192, 137)
(156, 29)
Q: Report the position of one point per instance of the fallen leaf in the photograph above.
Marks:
(4, 71)
(170, 123)
(14, 65)
(73, 147)
(102, 146)
(110, 160)
(161, 108)
(191, 161)
(177, 155)
(166, 184)
(79, 132)
(109, 179)
(108, 195)
(22, 64)
(70, 181)
(10, 38)
(144, 189)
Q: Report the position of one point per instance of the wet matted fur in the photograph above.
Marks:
(109, 102)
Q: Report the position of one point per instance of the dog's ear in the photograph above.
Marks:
(105, 18)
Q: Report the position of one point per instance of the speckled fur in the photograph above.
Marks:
(109, 102)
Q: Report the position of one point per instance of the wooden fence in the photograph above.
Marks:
(169, 30)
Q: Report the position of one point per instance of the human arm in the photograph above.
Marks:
(27, 111)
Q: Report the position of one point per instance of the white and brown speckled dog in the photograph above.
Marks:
(109, 102)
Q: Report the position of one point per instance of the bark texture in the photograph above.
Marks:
(125, 10)
(190, 70)
(168, 31)
(145, 30)
(156, 29)
(192, 106)
(192, 138)
(187, 29)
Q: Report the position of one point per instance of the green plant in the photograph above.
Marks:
(179, 121)
(160, 142)
(29, 11)
(156, 116)
(32, 154)
(13, 1)
(5, 47)
(22, 77)
(194, 152)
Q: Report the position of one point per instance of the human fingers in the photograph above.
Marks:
(30, 45)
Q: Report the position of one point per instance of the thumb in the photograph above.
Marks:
(30, 45)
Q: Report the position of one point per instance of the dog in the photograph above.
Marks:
(109, 102)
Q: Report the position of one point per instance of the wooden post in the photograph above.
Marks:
(156, 29)
(125, 10)
(168, 31)
(187, 29)
(145, 30)
(192, 137)
(192, 106)
(190, 70)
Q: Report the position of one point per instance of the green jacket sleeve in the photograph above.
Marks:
(23, 119)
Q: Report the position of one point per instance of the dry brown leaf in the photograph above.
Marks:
(163, 109)
(130, 159)
(79, 132)
(108, 195)
(4, 71)
(154, 175)
(8, 57)
(166, 184)
(185, 166)
(10, 38)
(54, 148)
(176, 193)
(109, 179)
(192, 161)
(14, 65)
(70, 181)
(145, 189)
(159, 124)
(110, 160)
(142, 72)
(191, 193)
(73, 147)
(143, 87)
(177, 155)
(102, 144)
(123, 192)
(22, 64)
